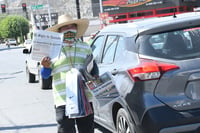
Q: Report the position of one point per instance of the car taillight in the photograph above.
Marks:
(150, 69)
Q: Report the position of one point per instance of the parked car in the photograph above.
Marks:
(11, 41)
(27, 43)
(33, 71)
(154, 65)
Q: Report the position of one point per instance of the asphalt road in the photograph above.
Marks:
(24, 107)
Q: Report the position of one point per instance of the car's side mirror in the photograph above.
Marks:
(26, 51)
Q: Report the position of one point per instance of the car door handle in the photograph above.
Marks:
(114, 71)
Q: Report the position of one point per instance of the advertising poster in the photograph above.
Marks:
(123, 6)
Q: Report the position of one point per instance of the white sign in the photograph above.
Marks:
(46, 43)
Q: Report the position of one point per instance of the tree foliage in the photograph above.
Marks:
(1, 18)
(14, 26)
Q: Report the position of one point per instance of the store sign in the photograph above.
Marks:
(45, 17)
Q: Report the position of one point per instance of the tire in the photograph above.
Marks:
(123, 124)
(31, 78)
(46, 83)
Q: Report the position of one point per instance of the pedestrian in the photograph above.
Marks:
(73, 55)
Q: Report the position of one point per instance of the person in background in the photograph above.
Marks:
(73, 55)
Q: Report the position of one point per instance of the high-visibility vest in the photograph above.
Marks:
(73, 56)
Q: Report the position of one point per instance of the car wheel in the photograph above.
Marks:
(123, 122)
(46, 83)
(30, 76)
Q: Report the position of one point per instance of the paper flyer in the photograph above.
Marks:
(103, 89)
(46, 43)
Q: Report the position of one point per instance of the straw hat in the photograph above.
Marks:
(82, 24)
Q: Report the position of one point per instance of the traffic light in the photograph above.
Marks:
(3, 8)
(24, 7)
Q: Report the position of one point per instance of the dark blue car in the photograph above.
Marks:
(152, 75)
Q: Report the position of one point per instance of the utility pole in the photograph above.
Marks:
(49, 13)
(78, 12)
(78, 9)
(101, 7)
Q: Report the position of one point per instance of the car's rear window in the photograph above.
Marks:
(180, 44)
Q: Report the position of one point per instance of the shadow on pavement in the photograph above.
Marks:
(27, 126)
(14, 47)
(102, 129)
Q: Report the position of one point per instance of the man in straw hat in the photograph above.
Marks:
(74, 54)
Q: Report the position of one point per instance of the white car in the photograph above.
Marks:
(27, 43)
(33, 71)
(11, 41)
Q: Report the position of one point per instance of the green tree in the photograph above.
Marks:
(2, 16)
(14, 26)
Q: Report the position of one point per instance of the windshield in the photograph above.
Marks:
(179, 44)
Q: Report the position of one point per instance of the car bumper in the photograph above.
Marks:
(166, 120)
(190, 128)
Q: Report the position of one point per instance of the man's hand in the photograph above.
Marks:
(46, 62)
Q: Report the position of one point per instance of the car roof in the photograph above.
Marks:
(154, 25)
